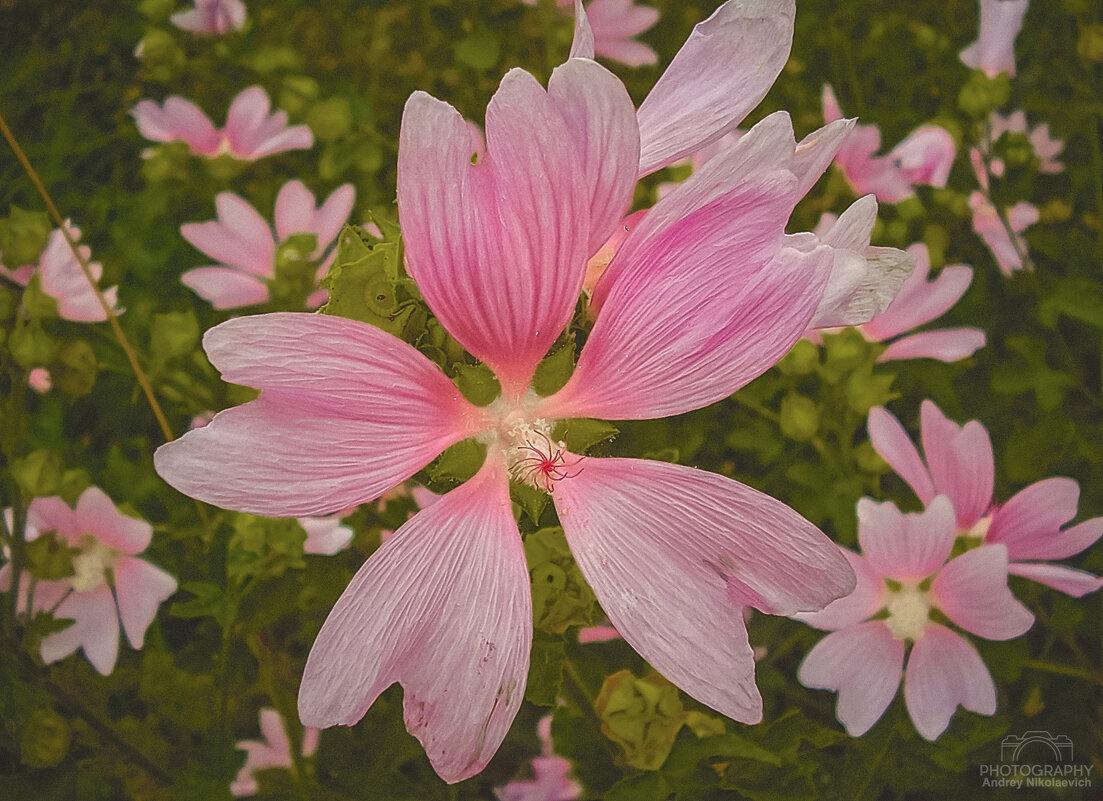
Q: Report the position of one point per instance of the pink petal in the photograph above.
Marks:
(1068, 580)
(297, 137)
(944, 671)
(140, 588)
(325, 535)
(722, 72)
(948, 345)
(925, 156)
(994, 49)
(919, 300)
(240, 238)
(972, 591)
(868, 597)
(961, 463)
(863, 664)
(673, 576)
(226, 287)
(272, 727)
(443, 608)
(706, 308)
(499, 248)
(96, 629)
(1007, 251)
(634, 54)
(97, 515)
(247, 120)
(906, 547)
(64, 279)
(331, 217)
(294, 210)
(347, 412)
(894, 445)
(1030, 523)
(582, 45)
(178, 119)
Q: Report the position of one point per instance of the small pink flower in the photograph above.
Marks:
(39, 380)
(614, 23)
(924, 157)
(63, 279)
(920, 301)
(274, 751)
(108, 583)
(705, 294)
(552, 781)
(902, 577)
(1045, 147)
(242, 242)
(251, 132)
(960, 465)
(325, 535)
(217, 17)
(994, 49)
(1004, 240)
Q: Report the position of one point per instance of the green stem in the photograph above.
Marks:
(1094, 676)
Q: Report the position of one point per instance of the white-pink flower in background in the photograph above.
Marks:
(325, 535)
(960, 465)
(923, 158)
(1003, 236)
(705, 294)
(251, 131)
(903, 574)
(1046, 148)
(243, 243)
(273, 751)
(614, 23)
(994, 49)
(215, 17)
(551, 781)
(109, 583)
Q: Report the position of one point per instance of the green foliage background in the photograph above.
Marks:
(164, 724)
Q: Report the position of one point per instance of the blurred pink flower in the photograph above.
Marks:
(63, 279)
(903, 576)
(217, 17)
(108, 583)
(39, 380)
(1045, 147)
(251, 132)
(994, 50)
(325, 535)
(551, 782)
(960, 465)
(924, 157)
(1004, 240)
(705, 294)
(614, 23)
(274, 751)
(241, 240)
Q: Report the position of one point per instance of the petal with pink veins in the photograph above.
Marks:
(1030, 523)
(499, 247)
(944, 671)
(444, 609)
(868, 597)
(961, 462)
(331, 216)
(906, 547)
(724, 69)
(972, 591)
(226, 287)
(919, 300)
(892, 442)
(1068, 580)
(140, 588)
(177, 119)
(863, 664)
(347, 412)
(582, 45)
(96, 629)
(673, 576)
(947, 345)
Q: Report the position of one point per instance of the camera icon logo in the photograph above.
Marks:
(1011, 747)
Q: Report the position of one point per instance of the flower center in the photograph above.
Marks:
(909, 609)
(90, 566)
(526, 444)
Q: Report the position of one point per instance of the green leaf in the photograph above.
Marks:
(210, 601)
(173, 334)
(545, 681)
(1076, 298)
(478, 50)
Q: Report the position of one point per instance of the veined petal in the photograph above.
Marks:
(226, 287)
(972, 590)
(499, 247)
(673, 575)
(140, 588)
(906, 547)
(96, 629)
(961, 462)
(947, 345)
(868, 597)
(246, 118)
(892, 442)
(177, 119)
(347, 412)
(1068, 580)
(96, 514)
(712, 303)
(722, 72)
(919, 300)
(582, 46)
(944, 671)
(863, 664)
(240, 237)
(1030, 523)
(294, 210)
(443, 608)
(332, 215)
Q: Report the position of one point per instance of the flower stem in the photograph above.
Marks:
(1094, 676)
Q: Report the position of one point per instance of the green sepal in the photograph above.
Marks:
(865, 389)
(48, 557)
(580, 434)
(642, 716)
(458, 463)
(366, 282)
(477, 382)
(530, 499)
(553, 372)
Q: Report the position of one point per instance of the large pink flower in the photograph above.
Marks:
(902, 576)
(994, 49)
(109, 582)
(251, 132)
(924, 157)
(960, 465)
(274, 751)
(704, 295)
(216, 17)
(241, 240)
